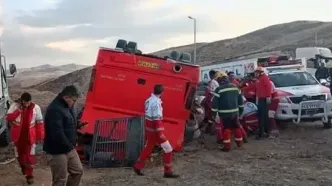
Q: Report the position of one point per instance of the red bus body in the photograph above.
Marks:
(121, 82)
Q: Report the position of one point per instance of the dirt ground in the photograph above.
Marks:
(302, 155)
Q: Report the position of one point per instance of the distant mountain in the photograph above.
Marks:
(79, 78)
(284, 38)
(31, 76)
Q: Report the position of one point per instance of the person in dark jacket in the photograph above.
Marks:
(227, 103)
(60, 139)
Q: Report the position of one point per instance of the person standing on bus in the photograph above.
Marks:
(232, 79)
(263, 94)
(213, 84)
(27, 129)
(154, 131)
(228, 105)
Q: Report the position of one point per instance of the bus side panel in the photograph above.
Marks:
(127, 98)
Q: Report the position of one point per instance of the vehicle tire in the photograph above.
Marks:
(121, 44)
(132, 46)
(5, 138)
(327, 125)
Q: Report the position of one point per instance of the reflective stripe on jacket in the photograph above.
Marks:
(36, 128)
(153, 108)
(153, 117)
(227, 100)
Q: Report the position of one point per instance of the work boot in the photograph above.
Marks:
(138, 172)
(170, 175)
(30, 180)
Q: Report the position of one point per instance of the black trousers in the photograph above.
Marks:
(230, 121)
(263, 117)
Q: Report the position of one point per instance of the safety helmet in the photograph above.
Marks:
(221, 74)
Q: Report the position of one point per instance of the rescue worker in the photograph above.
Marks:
(213, 84)
(272, 111)
(232, 78)
(154, 130)
(27, 129)
(228, 105)
(263, 94)
(248, 88)
(218, 122)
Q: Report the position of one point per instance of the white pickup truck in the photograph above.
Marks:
(301, 97)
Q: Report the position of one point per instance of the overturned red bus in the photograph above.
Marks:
(123, 78)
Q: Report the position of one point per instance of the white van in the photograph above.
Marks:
(315, 56)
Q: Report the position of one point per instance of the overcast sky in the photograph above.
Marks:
(70, 31)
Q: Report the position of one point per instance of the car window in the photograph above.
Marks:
(293, 79)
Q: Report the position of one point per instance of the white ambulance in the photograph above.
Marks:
(301, 96)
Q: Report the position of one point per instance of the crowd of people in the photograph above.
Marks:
(224, 101)
(224, 105)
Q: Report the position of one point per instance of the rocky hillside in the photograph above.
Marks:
(80, 78)
(282, 37)
(31, 76)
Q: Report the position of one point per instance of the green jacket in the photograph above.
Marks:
(227, 101)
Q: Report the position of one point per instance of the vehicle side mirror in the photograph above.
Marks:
(12, 69)
(323, 81)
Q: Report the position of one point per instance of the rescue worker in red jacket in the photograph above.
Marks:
(228, 105)
(263, 94)
(154, 130)
(248, 88)
(27, 129)
(232, 79)
(272, 111)
(213, 84)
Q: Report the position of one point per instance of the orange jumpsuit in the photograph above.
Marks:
(27, 128)
(154, 130)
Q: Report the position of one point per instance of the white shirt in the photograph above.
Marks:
(153, 108)
(213, 85)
